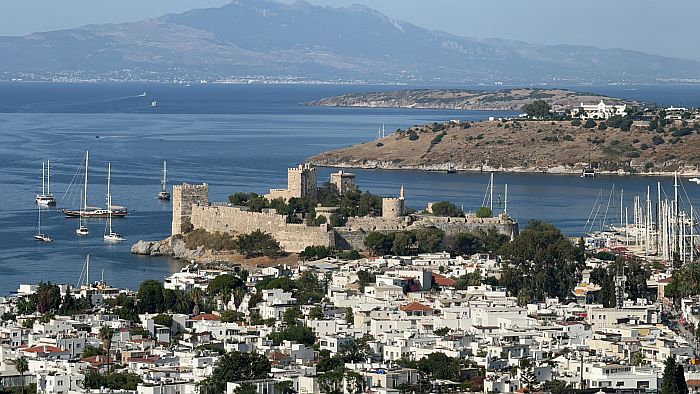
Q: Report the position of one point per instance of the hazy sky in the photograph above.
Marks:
(665, 27)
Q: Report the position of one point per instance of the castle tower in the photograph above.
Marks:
(344, 182)
(393, 207)
(302, 181)
(184, 196)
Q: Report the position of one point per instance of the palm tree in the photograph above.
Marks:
(105, 336)
(22, 366)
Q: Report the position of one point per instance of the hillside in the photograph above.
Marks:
(264, 38)
(500, 100)
(522, 146)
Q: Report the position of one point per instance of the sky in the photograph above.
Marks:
(663, 27)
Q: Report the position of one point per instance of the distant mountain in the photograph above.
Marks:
(263, 37)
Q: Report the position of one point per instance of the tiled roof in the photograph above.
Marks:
(415, 307)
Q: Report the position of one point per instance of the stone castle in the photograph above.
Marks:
(192, 210)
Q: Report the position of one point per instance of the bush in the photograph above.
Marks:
(484, 212)
(537, 108)
(446, 208)
(657, 140)
(602, 126)
(412, 136)
(211, 241)
(576, 122)
(379, 144)
(258, 244)
(590, 123)
(568, 138)
(315, 253)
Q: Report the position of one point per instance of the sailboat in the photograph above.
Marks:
(82, 229)
(93, 212)
(110, 235)
(39, 236)
(164, 193)
(45, 198)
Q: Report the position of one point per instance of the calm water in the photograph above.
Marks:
(236, 138)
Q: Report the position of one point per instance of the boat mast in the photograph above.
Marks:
(109, 197)
(87, 154)
(43, 178)
(48, 177)
(165, 172)
(505, 201)
(491, 195)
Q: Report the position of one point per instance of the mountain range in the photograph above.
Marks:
(271, 39)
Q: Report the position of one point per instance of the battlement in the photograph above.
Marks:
(184, 197)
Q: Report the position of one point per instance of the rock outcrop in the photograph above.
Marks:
(173, 247)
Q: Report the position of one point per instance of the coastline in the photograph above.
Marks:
(442, 168)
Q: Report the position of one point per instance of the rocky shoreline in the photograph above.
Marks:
(444, 167)
(171, 247)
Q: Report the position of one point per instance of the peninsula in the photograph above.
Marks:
(552, 146)
(499, 100)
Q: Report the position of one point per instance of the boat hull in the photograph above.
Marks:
(103, 213)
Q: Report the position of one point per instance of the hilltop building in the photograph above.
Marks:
(343, 181)
(192, 210)
(600, 110)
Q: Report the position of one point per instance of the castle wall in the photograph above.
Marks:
(232, 220)
(183, 197)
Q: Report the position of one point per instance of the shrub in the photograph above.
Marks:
(379, 144)
(590, 123)
(446, 208)
(412, 136)
(657, 140)
(258, 244)
(484, 212)
(576, 122)
(602, 126)
(568, 138)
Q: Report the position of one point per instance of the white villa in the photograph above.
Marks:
(599, 111)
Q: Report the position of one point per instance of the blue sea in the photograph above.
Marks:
(236, 138)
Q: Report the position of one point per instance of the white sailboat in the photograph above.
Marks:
(45, 198)
(82, 229)
(164, 193)
(94, 212)
(39, 236)
(110, 235)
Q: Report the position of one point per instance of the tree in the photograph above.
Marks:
(245, 388)
(541, 261)
(258, 244)
(527, 374)
(429, 239)
(554, 386)
(484, 212)
(291, 315)
(537, 109)
(231, 316)
(590, 123)
(441, 331)
(22, 366)
(48, 298)
(681, 384)
(112, 380)
(296, 333)
(316, 313)
(349, 316)
(670, 383)
(225, 283)
(446, 208)
(331, 382)
(106, 334)
(234, 367)
(356, 383)
(150, 297)
(469, 279)
(90, 351)
(463, 244)
(378, 243)
(402, 243)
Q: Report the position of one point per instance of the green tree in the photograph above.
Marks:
(291, 315)
(555, 386)
(224, 284)
(469, 279)
(541, 261)
(349, 316)
(537, 109)
(21, 364)
(670, 383)
(285, 387)
(163, 320)
(331, 382)
(463, 244)
(402, 243)
(429, 239)
(106, 334)
(232, 316)
(681, 384)
(378, 243)
(484, 212)
(589, 124)
(316, 313)
(90, 351)
(446, 208)
(245, 388)
(150, 297)
(296, 333)
(234, 367)
(48, 298)
(111, 380)
(258, 244)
